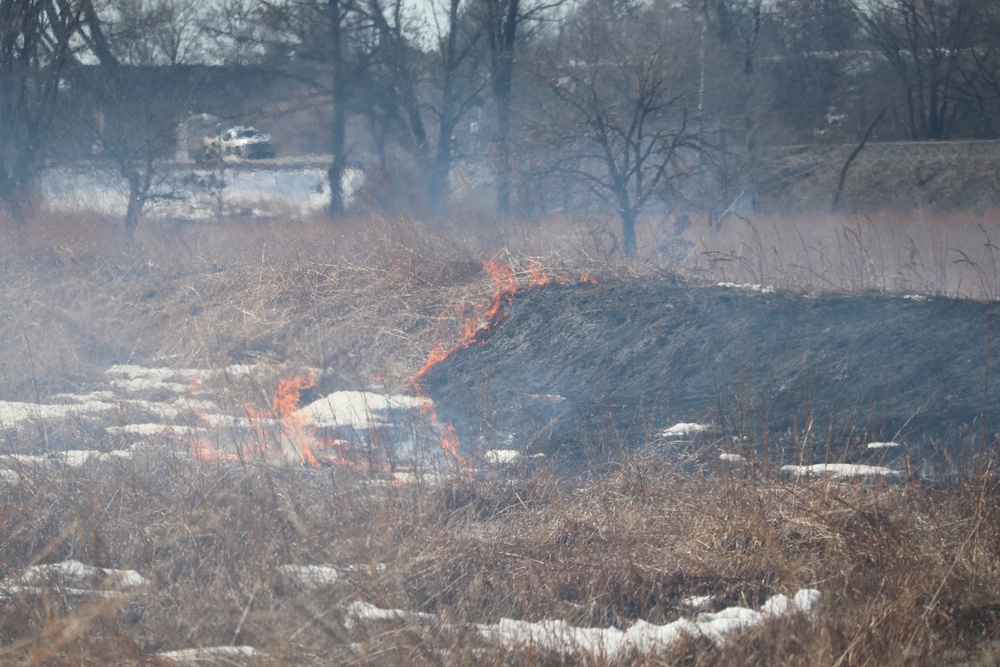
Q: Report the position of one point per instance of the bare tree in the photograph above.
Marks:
(235, 34)
(807, 69)
(410, 85)
(336, 12)
(625, 88)
(155, 32)
(982, 78)
(503, 24)
(738, 26)
(459, 63)
(311, 42)
(138, 98)
(37, 39)
(136, 130)
(397, 68)
(926, 42)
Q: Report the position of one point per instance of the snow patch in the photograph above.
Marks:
(697, 600)
(312, 576)
(840, 470)
(145, 430)
(682, 429)
(763, 289)
(74, 578)
(16, 413)
(610, 644)
(363, 611)
(502, 456)
(357, 409)
(883, 445)
(210, 654)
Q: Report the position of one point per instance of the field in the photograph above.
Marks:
(173, 493)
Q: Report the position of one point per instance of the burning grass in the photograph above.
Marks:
(509, 282)
(254, 561)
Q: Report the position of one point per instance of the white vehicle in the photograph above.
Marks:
(243, 142)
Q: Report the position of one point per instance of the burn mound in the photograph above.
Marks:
(593, 367)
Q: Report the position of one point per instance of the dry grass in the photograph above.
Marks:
(909, 572)
(946, 254)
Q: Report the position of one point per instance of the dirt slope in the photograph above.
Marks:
(583, 367)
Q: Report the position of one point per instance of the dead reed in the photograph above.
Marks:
(250, 554)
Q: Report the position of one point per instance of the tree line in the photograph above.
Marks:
(621, 105)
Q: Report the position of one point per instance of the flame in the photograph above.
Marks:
(285, 407)
(287, 395)
(206, 451)
(278, 429)
(202, 450)
(508, 285)
(292, 423)
(446, 433)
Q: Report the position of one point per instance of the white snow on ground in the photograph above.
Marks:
(178, 406)
(318, 576)
(144, 430)
(15, 413)
(212, 654)
(502, 456)
(840, 470)
(731, 458)
(610, 643)
(310, 575)
(697, 600)
(363, 611)
(73, 458)
(358, 409)
(136, 385)
(682, 429)
(763, 289)
(883, 445)
(243, 190)
(74, 578)
(155, 373)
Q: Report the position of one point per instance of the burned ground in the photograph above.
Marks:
(578, 368)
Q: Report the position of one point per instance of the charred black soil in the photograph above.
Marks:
(582, 368)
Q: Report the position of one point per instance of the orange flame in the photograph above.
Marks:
(281, 427)
(206, 451)
(507, 286)
(288, 393)
(284, 407)
(201, 450)
(446, 431)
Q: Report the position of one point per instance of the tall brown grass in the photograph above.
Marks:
(909, 572)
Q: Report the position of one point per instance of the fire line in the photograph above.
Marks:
(508, 285)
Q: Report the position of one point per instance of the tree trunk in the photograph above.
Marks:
(335, 173)
(439, 182)
(135, 201)
(502, 40)
(628, 232)
(439, 186)
(628, 214)
(504, 169)
(132, 215)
